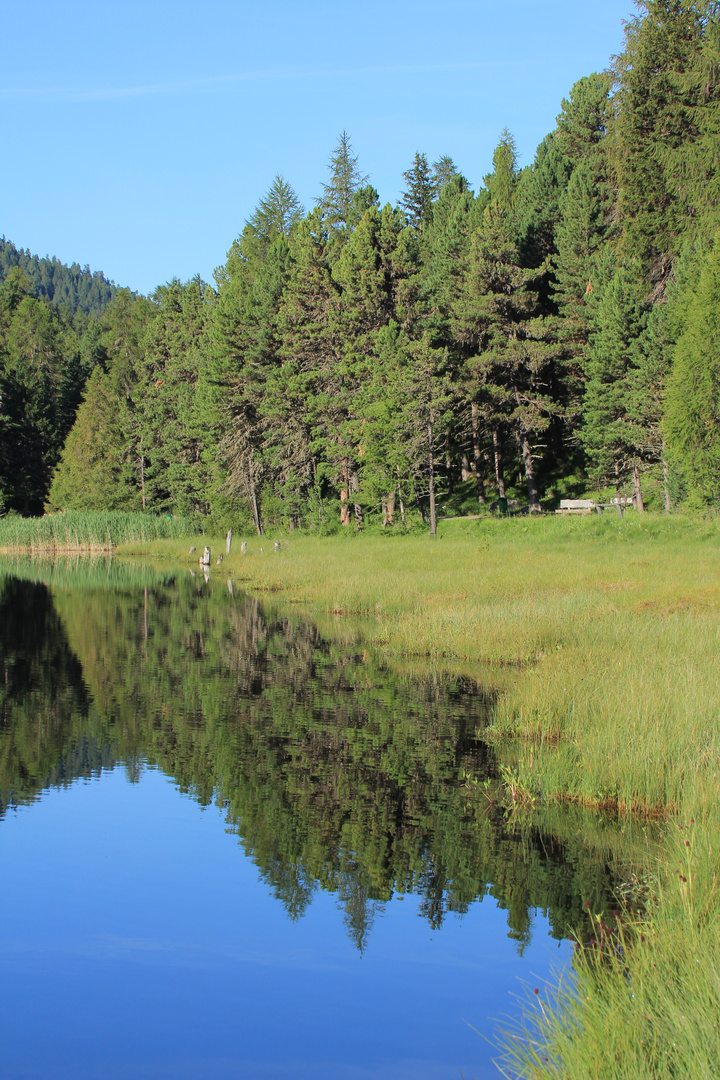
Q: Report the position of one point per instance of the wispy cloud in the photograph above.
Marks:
(67, 93)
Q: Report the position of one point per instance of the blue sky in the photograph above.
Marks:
(139, 137)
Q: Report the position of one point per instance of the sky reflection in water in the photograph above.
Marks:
(137, 940)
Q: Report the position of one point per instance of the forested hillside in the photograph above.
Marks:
(64, 286)
(554, 331)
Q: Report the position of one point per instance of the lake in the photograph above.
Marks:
(235, 845)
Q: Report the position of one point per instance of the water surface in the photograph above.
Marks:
(232, 847)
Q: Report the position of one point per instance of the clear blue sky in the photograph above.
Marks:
(139, 137)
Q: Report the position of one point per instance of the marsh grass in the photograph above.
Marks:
(644, 1000)
(601, 640)
(86, 531)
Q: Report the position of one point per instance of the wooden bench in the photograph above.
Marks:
(576, 506)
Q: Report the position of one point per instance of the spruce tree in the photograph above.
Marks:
(91, 474)
(276, 213)
(417, 199)
(611, 363)
(338, 202)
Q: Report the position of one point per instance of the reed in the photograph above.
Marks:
(87, 531)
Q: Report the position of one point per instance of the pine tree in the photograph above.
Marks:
(692, 164)
(175, 347)
(302, 421)
(578, 237)
(33, 370)
(242, 359)
(654, 103)
(512, 366)
(124, 325)
(583, 123)
(537, 202)
(417, 199)
(371, 270)
(442, 256)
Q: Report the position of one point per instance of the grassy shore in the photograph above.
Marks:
(603, 639)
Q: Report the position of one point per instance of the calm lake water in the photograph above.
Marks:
(232, 847)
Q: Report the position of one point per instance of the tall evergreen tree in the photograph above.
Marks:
(39, 384)
(338, 201)
(242, 359)
(652, 111)
(611, 364)
(276, 213)
(497, 315)
(444, 169)
(417, 199)
(502, 181)
(175, 347)
(92, 473)
(692, 406)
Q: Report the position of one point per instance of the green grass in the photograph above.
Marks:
(83, 530)
(602, 638)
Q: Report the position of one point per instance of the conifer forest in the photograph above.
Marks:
(553, 330)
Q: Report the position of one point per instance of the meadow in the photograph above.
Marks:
(601, 638)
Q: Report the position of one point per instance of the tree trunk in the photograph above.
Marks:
(448, 471)
(142, 478)
(357, 507)
(637, 491)
(431, 463)
(530, 476)
(344, 507)
(390, 507)
(254, 502)
(499, 475)
(666, 486)
(477, 455)
(465, 469)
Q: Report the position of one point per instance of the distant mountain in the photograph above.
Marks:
(65, 286)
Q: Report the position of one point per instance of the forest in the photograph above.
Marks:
(551, 333)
